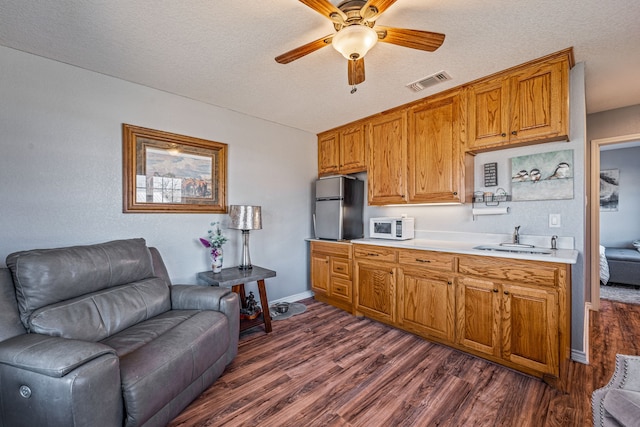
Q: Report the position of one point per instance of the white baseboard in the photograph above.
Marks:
(579, 356)
(294, 298)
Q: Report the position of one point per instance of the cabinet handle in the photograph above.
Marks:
(513, 132)
(422, 260)
(455, 193)
(506, 292)
(495, 290)
(503, 134)
(449, 282)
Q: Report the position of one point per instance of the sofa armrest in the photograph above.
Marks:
(194, 297)
(47, 355)
(55, 381)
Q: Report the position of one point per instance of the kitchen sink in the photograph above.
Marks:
(516, 249)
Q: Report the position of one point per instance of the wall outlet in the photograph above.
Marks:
(555, 220)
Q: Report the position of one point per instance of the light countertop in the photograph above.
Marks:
(565, 256)
(463, 246)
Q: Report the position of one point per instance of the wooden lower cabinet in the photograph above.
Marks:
(513, 312)
(375, 290)
(530, 327)
(426, 303)
(331, 273)
(478, 315)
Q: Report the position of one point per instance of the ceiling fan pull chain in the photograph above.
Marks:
(353, 89)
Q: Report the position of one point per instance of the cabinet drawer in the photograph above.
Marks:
(341, 267)
(341, 289)
(530, 272)
(429, 259)
(377, 253)
(333, 248)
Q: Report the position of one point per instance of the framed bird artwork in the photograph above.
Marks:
(542, 176)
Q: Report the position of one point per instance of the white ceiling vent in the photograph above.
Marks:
(431, 80)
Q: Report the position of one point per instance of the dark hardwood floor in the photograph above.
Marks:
(327, 368)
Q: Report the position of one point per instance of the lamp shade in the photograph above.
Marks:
(354, 41)
(245, 217)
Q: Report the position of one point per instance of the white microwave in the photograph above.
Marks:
(391, 228)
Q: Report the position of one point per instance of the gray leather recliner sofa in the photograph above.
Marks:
(98, 336)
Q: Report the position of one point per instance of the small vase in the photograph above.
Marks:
(216, 260)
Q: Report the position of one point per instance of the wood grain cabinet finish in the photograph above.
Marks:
(375, 282)
(525, 106)
(513, 312)
(342, 151)
(387, 165)
(527, 305)
(436, 168)
(331, 273)
(426, 303)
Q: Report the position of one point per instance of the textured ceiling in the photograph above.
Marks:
(222, 52)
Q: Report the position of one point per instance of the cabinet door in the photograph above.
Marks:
(538, 102)
(376, 291)
(328, 153)
(488, 116)
(426, 303)
(478, 315)
(434, 151)
(352, 150)
(320, 272)
(387, 143)
(530, 327)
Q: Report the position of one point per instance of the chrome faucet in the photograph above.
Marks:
(516, 236)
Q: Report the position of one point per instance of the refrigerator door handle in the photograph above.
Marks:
(315, 230)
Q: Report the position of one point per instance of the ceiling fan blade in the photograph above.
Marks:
(415, 39)
(306, 49)
(324, 8)
(356, 71)
(381, 5)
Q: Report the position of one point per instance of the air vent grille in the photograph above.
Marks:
(428, 81)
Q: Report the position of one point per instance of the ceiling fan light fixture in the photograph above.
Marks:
(354, 41)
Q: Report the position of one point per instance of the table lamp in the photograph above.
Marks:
(245, 218)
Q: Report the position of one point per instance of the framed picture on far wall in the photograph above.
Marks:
(609, 190)
(169, 173)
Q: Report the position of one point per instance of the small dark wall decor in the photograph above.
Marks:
(609, 190)
(169, 173)
(491, 174)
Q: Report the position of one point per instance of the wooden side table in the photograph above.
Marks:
(235, 278)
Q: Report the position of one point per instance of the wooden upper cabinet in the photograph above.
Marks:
(488, 113)
(353, 149)
(435, 165)
(328, 153)
(527, 105)
(387, 165)
(342, 151)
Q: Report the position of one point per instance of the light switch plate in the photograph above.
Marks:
(555, 220)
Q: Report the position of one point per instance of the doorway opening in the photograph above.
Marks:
(597, 145)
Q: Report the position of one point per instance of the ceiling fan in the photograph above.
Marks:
(354, 22)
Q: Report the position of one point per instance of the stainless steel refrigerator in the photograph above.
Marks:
(338, 213)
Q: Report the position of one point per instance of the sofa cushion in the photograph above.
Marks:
(47, 276)
(623, 406)
(155, 373)
(95, 316)
(10, 324)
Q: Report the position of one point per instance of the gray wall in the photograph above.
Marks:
(612, 123)
(619, 228)
(61, 170)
